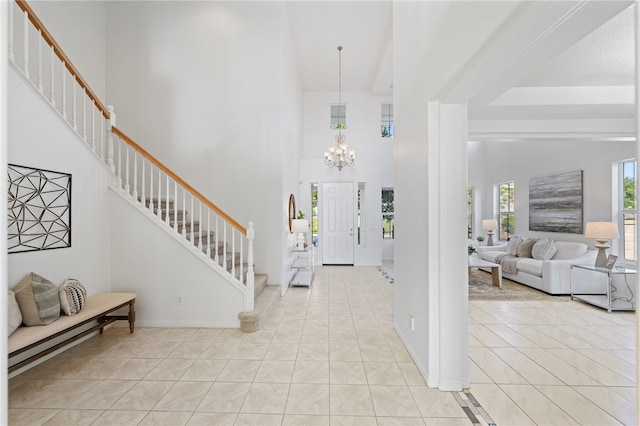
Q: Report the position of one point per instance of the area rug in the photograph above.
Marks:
(481, 288)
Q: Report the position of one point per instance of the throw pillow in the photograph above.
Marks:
(544, 249)
(512, 245)
(14, 317)
(72, 296)
(525, 247)
(38, 300)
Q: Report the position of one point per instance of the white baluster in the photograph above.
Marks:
(110, 124)
(217, 241)
(191, 210)
(84, 116)
(184, 216)
(12, 56)
(73, 104)
(241, 278)
(52, 94)
(93, 127)
(26, 44)
(119, 161)
(143, 198)
(151, 187)
(201, 227)
(175, 206)
(64, 92)
(40, 88)
(127, 188)
(250, 275)
(159, 202)
(135, 174)
(209, 233)
(224, 240)
(166, 204)
(103, 133)
(233, 252)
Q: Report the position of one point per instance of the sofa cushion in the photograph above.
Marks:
(544, 249)
(530, 266)
(38, 300)
(524, 248)
(72, 296)
(569, 250)
(14, 316)
(512, 245)
(491, 255)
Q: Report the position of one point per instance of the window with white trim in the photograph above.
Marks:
(506, 210)
(386, 121)
(627, 207)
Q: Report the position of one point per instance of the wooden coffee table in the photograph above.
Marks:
(496, 269)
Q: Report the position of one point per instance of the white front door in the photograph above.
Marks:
(337, 223)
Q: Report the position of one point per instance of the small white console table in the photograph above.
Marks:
(611, 289)
(302, 266)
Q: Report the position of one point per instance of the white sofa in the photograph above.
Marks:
(551, 276)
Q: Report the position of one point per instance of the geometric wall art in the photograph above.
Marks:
(39, 208)
(555, 203)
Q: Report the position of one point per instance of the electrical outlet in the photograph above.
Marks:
(413, 323)
(178, 300)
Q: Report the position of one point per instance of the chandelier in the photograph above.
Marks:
(339, 155)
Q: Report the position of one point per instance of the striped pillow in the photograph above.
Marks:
(72, 296)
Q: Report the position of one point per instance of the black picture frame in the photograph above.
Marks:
(39, 209)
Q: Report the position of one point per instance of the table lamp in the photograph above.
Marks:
(300, 226)
(489, 225)
(601, 232)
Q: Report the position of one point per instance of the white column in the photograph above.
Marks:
(448, 274)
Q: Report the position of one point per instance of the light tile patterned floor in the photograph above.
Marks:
(329, 355)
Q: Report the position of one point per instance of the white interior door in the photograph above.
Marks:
(337, 223)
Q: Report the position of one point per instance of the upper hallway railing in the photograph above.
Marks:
(151, 184)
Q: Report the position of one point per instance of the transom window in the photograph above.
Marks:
(338, 116)
(386, 123)
(506, 210)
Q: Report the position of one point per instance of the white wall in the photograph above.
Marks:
(51, 145)
(200, 85)
(522, 161)
(79, 27)
(158, 268)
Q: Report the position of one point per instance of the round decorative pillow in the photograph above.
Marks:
(72, 296)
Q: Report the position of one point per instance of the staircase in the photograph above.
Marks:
(139, 177)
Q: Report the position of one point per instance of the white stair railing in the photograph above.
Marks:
(214, 235)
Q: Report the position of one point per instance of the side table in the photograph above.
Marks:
(302, 266)
(611, 289)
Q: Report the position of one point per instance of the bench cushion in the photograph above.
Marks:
(94, 306)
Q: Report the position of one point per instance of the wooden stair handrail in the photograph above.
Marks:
(178, 179)
(22, 4)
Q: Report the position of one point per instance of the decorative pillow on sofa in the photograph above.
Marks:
(512, 245)
(38, 300)
(14, 317)
(569, 250)
(524, 248)
(544, 249)
(72, 296)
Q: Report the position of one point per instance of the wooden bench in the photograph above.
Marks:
(96, 308)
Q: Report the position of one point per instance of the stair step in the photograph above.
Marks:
(204, 236)
(253, 321)
(187, 226)
(163, 202)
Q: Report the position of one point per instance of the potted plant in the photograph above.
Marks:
(480, 239)
(471, 250)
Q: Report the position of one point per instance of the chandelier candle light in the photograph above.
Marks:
(339, 155)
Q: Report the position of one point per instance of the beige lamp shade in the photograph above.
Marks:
(489, 224)
(300, 225)
(601, 230)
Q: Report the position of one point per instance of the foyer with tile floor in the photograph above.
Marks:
(329, 355)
